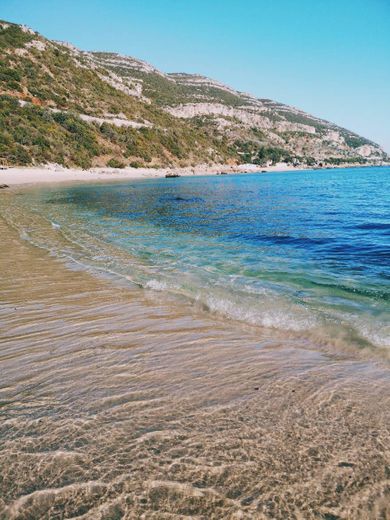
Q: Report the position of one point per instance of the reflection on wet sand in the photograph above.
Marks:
(115, 405)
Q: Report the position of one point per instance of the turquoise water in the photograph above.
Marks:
(306, 252)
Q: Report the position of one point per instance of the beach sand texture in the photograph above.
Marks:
(57, 174)
(117, 405)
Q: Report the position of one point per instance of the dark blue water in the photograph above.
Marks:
(301, 251)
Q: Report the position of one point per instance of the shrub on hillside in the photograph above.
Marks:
(273, 154)
(135, 164)
(114, 163)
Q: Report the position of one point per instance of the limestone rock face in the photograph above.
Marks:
(237, 115)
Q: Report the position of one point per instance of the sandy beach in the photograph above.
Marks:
(57, 174)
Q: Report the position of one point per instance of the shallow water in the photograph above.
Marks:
(120, 402)
(302, 251)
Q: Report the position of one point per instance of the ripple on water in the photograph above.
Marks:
(122, 403)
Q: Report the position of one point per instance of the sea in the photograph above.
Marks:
(305, 251)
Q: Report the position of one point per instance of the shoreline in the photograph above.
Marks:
(336, 344)
(16, 176)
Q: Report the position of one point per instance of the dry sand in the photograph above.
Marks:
(55, 174)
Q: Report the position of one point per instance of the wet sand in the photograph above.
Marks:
(116, 403)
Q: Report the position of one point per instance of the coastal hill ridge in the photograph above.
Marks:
(59, 104)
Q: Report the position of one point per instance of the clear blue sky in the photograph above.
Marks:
(328, 57)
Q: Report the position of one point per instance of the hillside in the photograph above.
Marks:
(76, 108)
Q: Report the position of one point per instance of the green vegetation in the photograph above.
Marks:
(346, 160)
(246, 149)
(13, 36)
(303, 120)
(171, 89)
(273, 154)
(32, 135)
(114, 163)
(355, 141)
(257, 133)
(135, 164)
(310, 161)
(9, 77)
(45, 90)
